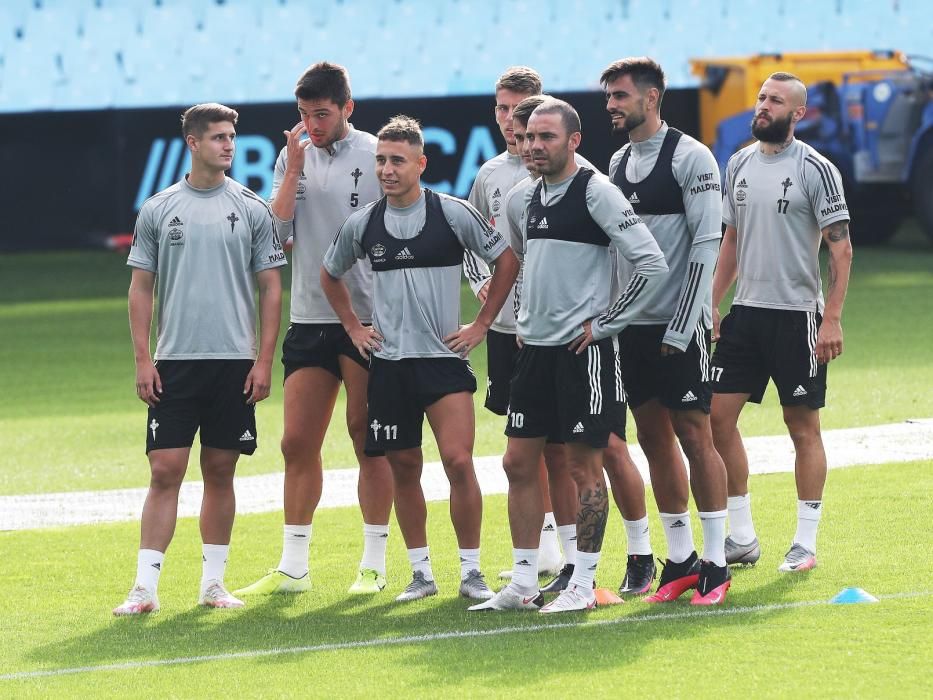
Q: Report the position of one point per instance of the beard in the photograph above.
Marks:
(632, 121)
(775, 131)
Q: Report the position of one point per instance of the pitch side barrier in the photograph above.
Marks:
(75, 179)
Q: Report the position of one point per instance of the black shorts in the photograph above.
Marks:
(501, 351)
(758, 344)
(399, 391)
(680, 382)
(318, 345)
(565, 397)
(205, 394)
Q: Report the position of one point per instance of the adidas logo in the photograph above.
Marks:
(634, 198)
(404, 254)
(383, 536)
(426, 559)
(176, 222)
(592, 568)
(689, 396)
(742, 183)
(578, 428)
(678, 523)
(157, 566)
(542, 224)
(815, 505)
(548, 528)
(523, 562)
(246, 436)
(497, 193)
(800, 391)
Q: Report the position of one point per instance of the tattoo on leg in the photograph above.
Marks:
(591, 520)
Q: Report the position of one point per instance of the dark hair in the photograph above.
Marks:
(523, 109)
(520, 79)
(645, 73)
(196, 120)
(324, 81)
(783, 77)
(402, 128)
(568, 115)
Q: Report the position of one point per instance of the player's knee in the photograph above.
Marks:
(519, 470)
(356, 427)
(458, 465)
(166, 476)
(802, 429)
(297, 451)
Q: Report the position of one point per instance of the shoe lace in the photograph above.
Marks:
(474, 576)
(417, 581)
(216, 591)
(137, 595)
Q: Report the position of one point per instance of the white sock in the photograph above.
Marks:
(295, 544)
(585, 570)
(213, 563)
(568, 541)
(808, 519)
(679, 536)
(148, 569)
(637, 533)
(375, 538)
(420, 559)
(714, 536)
(741, 528)
(525, 568)
(549, 543)
(469, 561)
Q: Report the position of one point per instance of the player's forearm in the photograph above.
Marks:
(283, 204)
(270, 313)
(505, 271)
(338, 295)
(726, 267)
(840, 268)
(140, 310)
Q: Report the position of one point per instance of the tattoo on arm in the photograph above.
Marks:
(591, 520)
(832, 274)
(837, 231)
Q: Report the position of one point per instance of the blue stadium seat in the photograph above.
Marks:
(91, 79)
(21, 91)
(110, 27)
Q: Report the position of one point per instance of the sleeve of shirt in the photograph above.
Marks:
(613, 213)
(824, 190)
(347, 247)
(698, 176)
(477, 196)
(144, 251)
(473, 231)
(475, 268)
(284, 229)
(584, 163)
(266, 249)
(510, 225)
(728, 206)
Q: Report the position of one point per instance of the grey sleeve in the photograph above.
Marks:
(266, 249)
(474, 233)
(728, 207)
(694, 290)
(510, 225)
(699, 180)
(584, 163)
(613, 213)
(477, 196)
(144, 252)
(824, 190)
(347, 247)
(475, 270)
(283, 228)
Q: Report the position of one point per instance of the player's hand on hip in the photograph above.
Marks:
(584, 340)
(366, 339)
(148, 383)
(519, 342)
(669, 350)
(467, 338)
(828, 341)
(295, 147)
(258, 382)
(716, 319)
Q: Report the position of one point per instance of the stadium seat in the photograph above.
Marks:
(110, 27)
(91, 78)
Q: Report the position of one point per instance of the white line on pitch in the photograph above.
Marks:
(438, 636)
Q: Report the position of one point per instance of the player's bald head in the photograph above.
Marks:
(793, 86)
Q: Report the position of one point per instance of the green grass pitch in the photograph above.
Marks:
(69, 420)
